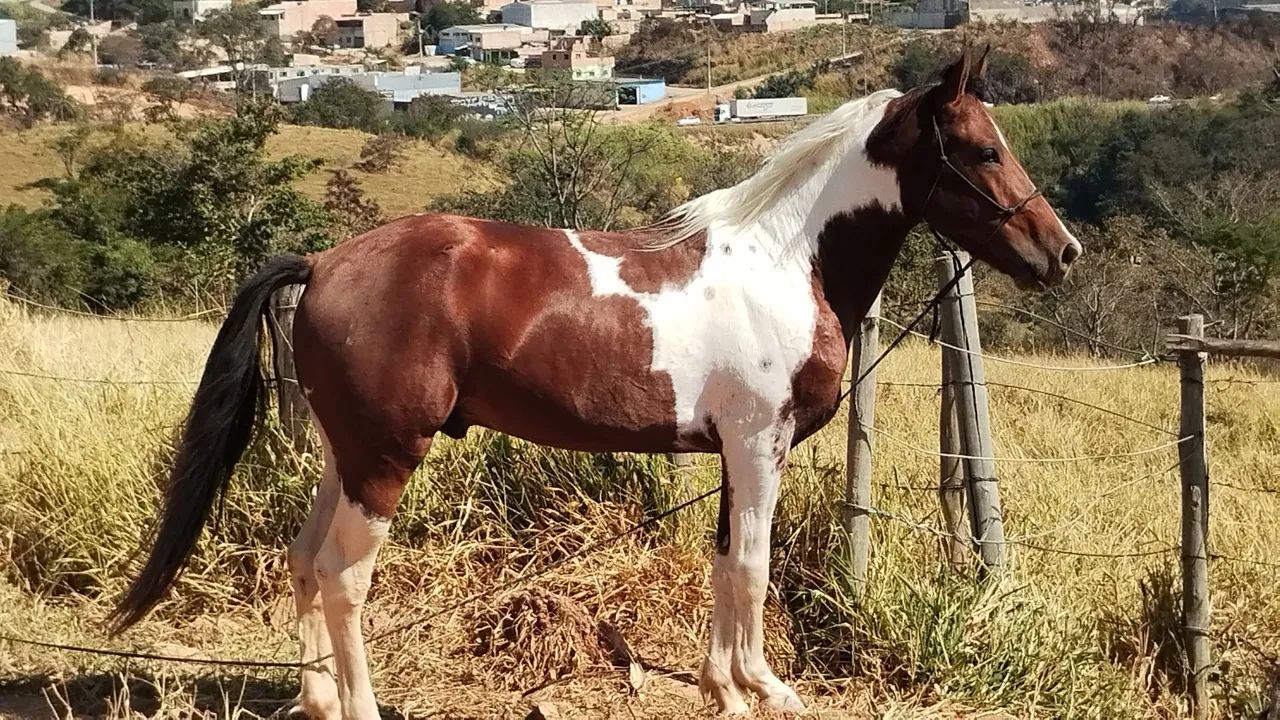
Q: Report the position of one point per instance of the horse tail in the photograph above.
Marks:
(219, 425)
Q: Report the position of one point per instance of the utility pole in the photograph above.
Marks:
(708, 66)
(93, 37)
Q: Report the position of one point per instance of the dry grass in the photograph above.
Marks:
(1062, 636)
(427, 172)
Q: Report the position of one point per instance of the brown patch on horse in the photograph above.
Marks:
(649, 271)
(855, 253)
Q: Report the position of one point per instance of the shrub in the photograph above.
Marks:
(430, 117)
(28, 95)
(476, 138)
(39, 257)
(381, 153)
(340, 103)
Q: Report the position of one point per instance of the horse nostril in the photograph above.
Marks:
(1070, 253)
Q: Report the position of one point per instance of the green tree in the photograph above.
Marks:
(340, 103)
(25, 93)
(244, 40)
(39, 257)
(598, 28)
(162, 45)
(181, 215)
(443, 15)
(352, 212)
(918, 63)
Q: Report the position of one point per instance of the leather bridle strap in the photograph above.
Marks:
(1007, 212)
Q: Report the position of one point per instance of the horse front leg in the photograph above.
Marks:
(752, 467)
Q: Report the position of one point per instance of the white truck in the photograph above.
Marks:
(759, 109)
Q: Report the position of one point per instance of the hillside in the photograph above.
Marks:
(427, 171)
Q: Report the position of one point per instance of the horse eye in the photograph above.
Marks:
(989, 155)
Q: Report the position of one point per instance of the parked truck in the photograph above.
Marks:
(759, 109)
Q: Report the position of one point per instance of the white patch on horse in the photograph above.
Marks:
(732, 337)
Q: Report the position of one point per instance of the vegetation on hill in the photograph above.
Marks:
(677, 51)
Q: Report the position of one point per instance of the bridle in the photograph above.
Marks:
(1006, 212)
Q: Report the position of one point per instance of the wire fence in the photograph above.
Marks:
(1038, 542)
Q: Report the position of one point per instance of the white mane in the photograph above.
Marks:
(801, 156)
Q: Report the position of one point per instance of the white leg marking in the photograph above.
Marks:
(318, 698)
(344, 567)
(754, 467)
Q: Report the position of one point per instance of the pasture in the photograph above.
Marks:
(1085, 624)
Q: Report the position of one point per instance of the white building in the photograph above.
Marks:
(192, 10)
(397, 89)
(8, 38)
(566, 15)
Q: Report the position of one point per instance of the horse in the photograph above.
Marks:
(724, 328)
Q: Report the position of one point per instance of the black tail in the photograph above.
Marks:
(217, 431)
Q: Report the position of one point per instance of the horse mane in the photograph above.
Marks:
(806, 151)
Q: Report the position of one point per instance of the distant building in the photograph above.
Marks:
(566, 15)
(288, 18)
(569, 56)
(938, 14)
(374, 30)
(488, 43)
(8, 38)
(398, 89)
(765, 17)
(193, 10)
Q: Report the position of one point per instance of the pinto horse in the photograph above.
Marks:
(725, 329)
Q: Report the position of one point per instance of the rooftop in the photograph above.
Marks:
(487, 27)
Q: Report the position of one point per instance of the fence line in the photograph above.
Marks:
(1242, 488)
(1020, 363)
(1064, 328)
(1243, 561)
(97, 381)
(121, 318)
(1047, 460)
(1037, 391)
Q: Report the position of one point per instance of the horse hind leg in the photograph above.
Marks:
(318, 699)
(344, 568)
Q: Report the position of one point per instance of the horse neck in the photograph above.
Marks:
(856, 252)
(846, 226)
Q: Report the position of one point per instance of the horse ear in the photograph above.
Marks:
(980, 69)
(955, 80)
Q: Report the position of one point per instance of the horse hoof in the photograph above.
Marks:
(787, 702)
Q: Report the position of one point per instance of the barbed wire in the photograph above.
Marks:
(1064, 328)
(1243, 488)
(1016, 459)
(1244, 381)
(1243, 561)
(121, 318)
(93, 381)
(1085, 553)
(1021, 363)
(1037, 391)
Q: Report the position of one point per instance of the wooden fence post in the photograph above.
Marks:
(292, 405)
(862, 418)
(951, 480)
(959, 314)
(1195, 517)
